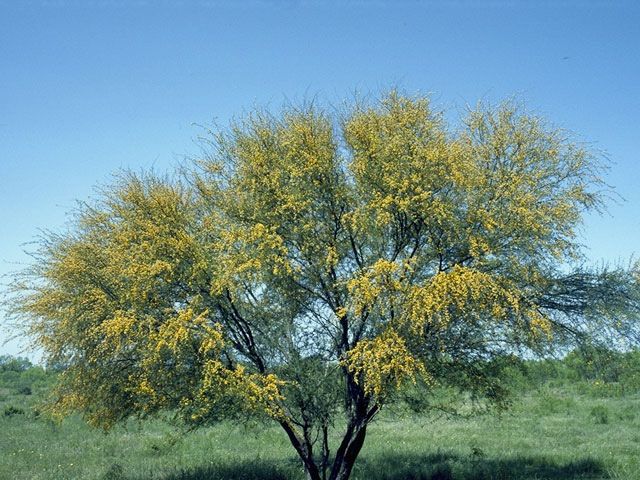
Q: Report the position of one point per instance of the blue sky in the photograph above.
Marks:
(88, 87)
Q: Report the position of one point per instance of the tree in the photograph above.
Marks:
(309, 266)
(9, 363)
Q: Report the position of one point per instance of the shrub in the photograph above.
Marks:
(25, 390)
(549, 403)
(10, 411)
(14, 364)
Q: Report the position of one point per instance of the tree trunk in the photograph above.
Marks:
(348, 453)
(324, 463)
(311, 475)
(304, 452)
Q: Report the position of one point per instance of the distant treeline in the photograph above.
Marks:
(592, 369)
(19, 376)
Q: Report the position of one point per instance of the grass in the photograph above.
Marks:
(551, 433)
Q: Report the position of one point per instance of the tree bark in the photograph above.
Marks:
(348, 453)
(324, 463)
(306, 455)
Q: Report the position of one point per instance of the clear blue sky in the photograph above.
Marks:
(87, 87)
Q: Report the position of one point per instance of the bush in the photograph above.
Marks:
(14, 364)
(9, 378)
(539, 372)
(603, 364)
(10, 411)
(23, 378)
(25, 390)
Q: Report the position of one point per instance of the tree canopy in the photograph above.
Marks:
(311, 263)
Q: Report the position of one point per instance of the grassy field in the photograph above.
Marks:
(549, 433)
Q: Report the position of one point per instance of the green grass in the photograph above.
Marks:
(553, 433)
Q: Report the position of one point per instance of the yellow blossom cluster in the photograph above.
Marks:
(459, 292)
(383, 363)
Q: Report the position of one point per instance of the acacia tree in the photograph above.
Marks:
(310, 265)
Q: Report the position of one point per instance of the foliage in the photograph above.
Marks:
(310, 266)
(10, 411)
(9, 363)
(604, 364)
(21, 376)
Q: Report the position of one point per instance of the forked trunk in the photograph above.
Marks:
(347, 454)
(344, 461)
(350, 446)
(311, 474)
(304, 452)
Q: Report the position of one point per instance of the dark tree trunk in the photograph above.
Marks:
(347, 454)
(304, 452)
(324, 463)
(359, 411)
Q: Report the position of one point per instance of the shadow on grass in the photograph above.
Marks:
(244, 471)
(451, 466)
(439, 466)
(257, 470)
